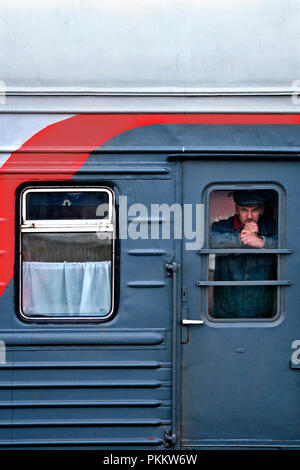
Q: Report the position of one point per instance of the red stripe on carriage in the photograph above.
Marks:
(88, 131)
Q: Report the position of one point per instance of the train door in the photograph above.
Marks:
(240, 305)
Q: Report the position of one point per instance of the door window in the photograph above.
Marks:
(243, 263)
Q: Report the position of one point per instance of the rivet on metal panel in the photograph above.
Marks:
(240, 350)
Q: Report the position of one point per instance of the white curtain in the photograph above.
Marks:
(67, 288)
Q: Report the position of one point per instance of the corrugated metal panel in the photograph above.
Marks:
(113, 403)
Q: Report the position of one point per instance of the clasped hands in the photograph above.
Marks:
(249, 235)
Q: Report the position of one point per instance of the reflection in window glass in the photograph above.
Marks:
(51, 205)
(243, 219)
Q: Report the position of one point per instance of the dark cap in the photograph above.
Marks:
(248, 198)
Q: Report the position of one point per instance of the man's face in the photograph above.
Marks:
(249, 213)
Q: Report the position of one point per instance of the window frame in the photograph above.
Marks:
(281, 251)
(105, 225)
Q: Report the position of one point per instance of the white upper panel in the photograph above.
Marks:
(150, 45)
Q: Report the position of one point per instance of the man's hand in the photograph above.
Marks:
(252, 239)
(251, 227)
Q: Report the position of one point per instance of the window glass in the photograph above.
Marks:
(60, 205)
(66, 271)
(243, 220)
(65, 247)
(242, 302)
(240, 267)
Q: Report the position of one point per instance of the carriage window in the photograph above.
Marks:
(243, 227)
(67, 246)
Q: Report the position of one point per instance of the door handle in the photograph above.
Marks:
(186, 321)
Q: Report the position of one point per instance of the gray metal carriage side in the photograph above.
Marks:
(145, 379)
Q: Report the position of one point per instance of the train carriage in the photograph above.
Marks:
(127, 322)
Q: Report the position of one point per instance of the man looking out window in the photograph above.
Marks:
(248, 228)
